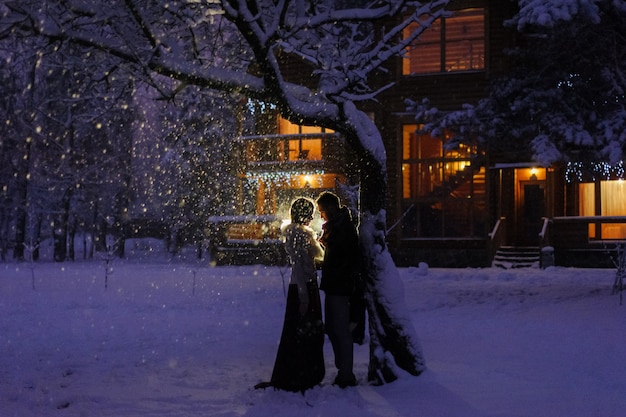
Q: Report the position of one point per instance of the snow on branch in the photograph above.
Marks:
(548, 13)
(344, 66)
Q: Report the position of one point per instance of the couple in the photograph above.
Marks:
(299, 361)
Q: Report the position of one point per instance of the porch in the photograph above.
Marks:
(585, 241)
(573, 241)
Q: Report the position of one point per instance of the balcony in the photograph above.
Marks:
(272, 171)
(314, 153)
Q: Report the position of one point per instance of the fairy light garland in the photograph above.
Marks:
(591, 171)
(281, 177)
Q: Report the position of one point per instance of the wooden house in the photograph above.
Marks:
(464, 206)
(447, 207)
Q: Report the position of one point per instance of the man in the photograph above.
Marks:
(340, 272)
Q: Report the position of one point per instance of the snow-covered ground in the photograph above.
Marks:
(181, 338)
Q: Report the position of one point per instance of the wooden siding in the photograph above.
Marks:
(446, 91)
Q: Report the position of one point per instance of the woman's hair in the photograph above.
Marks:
(302, 210)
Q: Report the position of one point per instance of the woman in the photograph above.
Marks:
(299, 361)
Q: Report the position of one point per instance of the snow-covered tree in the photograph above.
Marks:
(565, 100)
(200, 127)
(344, 44)
(66, 143)
(81, 165)
(15, 141)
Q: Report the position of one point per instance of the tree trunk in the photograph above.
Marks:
(72, 239)
(4, 233)
(21, 205)
(122, 205)
(99, 231)
(392, 334)
(61, 227)
(390, 326)
(36, 238)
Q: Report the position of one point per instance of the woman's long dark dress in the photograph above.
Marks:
(299, 361)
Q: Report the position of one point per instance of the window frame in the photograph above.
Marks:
(444, 45)
(418, 189)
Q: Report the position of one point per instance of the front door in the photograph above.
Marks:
(531, 213)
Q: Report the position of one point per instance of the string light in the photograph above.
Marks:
(591, 171)
(281, 177)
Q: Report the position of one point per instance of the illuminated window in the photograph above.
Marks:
(285, 127)
(455, 43)
(586, 199)
(612, 198)
(427, 163)
(310, 149)
(303, 147)
(443, 188)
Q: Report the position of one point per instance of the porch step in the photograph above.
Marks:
(508, 257)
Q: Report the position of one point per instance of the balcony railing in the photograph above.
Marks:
(584, 230)
(315, 151)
